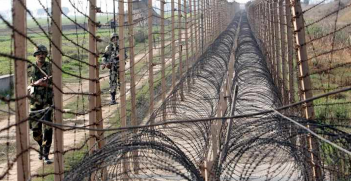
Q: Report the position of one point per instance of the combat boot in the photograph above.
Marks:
(113, 98)
(46, 155)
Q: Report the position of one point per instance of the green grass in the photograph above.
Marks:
(43, 21)
(336, 112)
(335, 109)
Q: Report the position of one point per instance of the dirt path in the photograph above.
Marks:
(71, 138)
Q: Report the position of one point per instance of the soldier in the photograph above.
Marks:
(111, 61)
(41, 99)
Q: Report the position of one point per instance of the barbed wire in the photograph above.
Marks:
(75, 51)
(327, 71)
(198, 116)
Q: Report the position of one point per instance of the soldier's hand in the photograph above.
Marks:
(103, 66)
(108, 65)
(36, 83)
(41, 83)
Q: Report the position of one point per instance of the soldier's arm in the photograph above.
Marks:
(107, 54)
(46, 81)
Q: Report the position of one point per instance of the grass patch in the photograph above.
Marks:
(71, 159)
(4, 150)
(333, 110)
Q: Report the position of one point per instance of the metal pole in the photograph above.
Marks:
(289, 37)
(132, 64)
(121, 72)
(151, 70)
(205, 13)
(196, 30)
(209, 22)
(276, 43)
(92, 74)
(265, 30)
(20, 51)
(230, 125)
(272, 47)
(135, 163)
(57, 81)
(173, 55)
(163, 64)
(99, 119)
(122, 93)
(260, 20)
(283, 51)
(114, 16)
(180, 54)
(268, 37)
(213, 16)
(306, 85)
(192, 30)
(186, 41)
(173, 45)
(202, 33)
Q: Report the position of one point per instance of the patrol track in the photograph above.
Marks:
(173, 151)
(259, 147)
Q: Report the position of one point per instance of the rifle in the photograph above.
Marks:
(115, 57)
(30, 88)
(41, 80)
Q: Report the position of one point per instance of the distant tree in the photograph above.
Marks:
(65, 10)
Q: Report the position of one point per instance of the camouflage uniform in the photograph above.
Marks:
(41, 98)
(110, 57)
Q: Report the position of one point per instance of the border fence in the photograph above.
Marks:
(162, 39)
(306, 49)
(207, 92)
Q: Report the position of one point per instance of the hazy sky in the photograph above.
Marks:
(34, 4)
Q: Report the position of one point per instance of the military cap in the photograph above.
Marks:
(40, 48)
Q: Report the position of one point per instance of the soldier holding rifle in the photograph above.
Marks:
(41, 99)
(111, 61)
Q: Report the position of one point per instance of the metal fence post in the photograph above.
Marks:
(151, 66)
(92, 73)
(306, 85)
(276, 43)
(163, 64)
(57, 81)
(20, 51)
(283, 50)
(289, 37)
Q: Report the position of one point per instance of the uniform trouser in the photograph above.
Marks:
(41, 133)
(114, 78)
